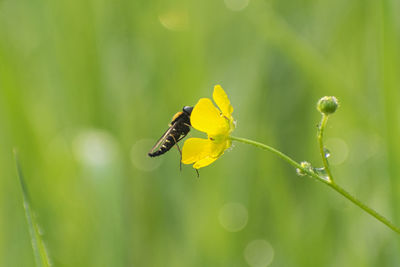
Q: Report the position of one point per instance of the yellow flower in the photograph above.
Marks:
(217, 123)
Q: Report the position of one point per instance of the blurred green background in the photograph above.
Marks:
(87, 87)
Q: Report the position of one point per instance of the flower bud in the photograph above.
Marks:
(306, 166)
(327, 105)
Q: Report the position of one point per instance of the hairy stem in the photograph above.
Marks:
(330, 183)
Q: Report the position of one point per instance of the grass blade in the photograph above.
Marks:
(38, 246)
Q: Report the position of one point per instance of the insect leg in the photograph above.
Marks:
(197, 171)
(180, 152)
(180, 161)
(181, 137)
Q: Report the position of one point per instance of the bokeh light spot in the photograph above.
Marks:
(339, 150)
(95, 148)
(174, 20)
(139, 156)
(233, 217)
(259, 253)
(236, 5)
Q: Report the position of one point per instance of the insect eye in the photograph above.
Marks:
(187, 109)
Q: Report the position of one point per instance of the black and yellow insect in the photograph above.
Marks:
(178, 129)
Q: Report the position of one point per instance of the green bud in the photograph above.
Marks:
(327, 105)
(306, 166)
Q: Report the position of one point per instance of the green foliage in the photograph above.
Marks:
(86, 87)
(38, 246)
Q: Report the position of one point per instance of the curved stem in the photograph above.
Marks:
(371, 211)
(266, 147)
(330, 183)
(321, 129)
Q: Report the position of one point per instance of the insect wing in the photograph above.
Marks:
(162, 138)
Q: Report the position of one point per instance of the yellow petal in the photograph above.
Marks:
(204, 162)
(202, 152)
(218, 148)
(222, 101)
(214, 151)
(206, 117)
(195, 149)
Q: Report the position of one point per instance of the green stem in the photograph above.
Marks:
(371, 211)
(321, 129)
(330, 183)
(39, 249)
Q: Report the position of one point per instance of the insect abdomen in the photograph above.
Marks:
(168, 143)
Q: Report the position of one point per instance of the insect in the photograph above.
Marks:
(178, 129)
